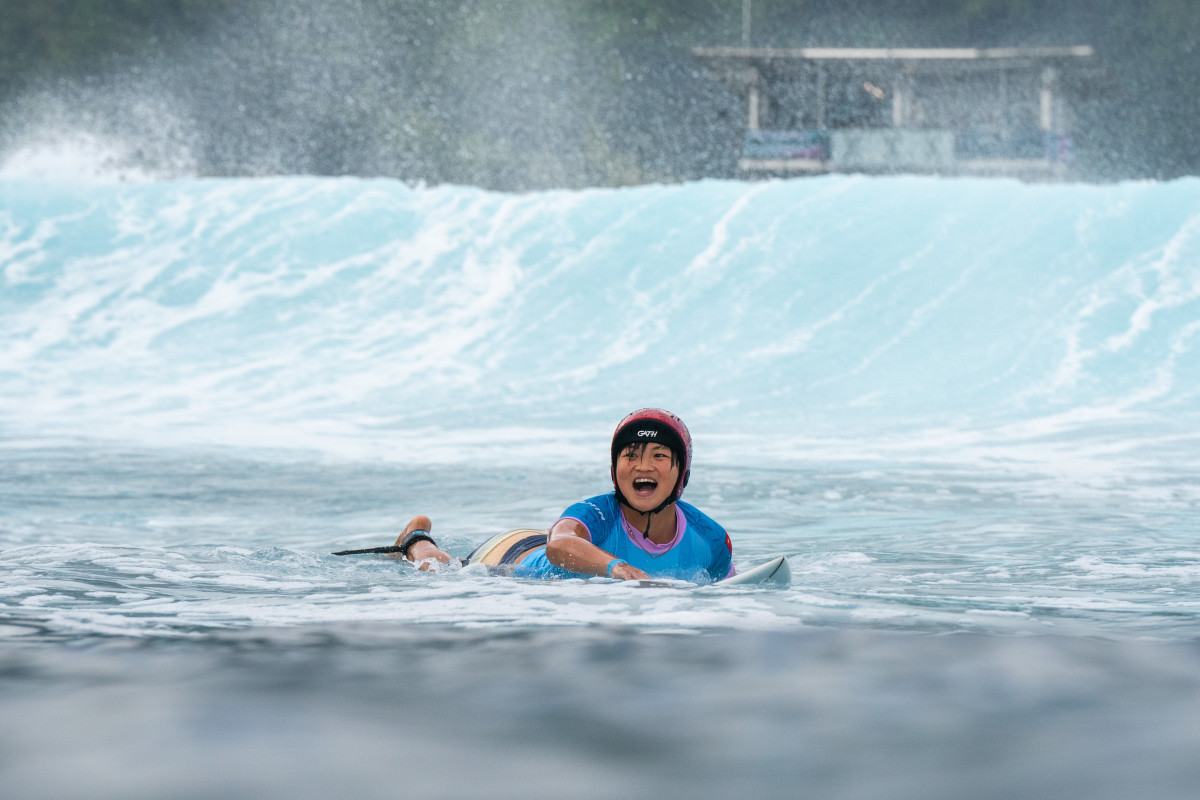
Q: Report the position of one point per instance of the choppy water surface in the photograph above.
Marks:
(965, 410)
(948, 632)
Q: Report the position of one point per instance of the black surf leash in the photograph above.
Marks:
(411, 538)
(387, 548)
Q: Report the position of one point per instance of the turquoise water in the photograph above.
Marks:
(965, 410)
(357, 316)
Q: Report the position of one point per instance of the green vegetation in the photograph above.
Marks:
(70, 38)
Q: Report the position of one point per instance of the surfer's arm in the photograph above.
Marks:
(570, 548)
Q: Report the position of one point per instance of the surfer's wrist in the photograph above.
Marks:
(613, 564)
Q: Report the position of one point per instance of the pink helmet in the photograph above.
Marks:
(661, 427)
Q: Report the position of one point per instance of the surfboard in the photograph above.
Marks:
(775, 571)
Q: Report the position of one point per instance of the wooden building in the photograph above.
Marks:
(998, 111)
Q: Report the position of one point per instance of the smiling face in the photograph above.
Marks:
(646, 475)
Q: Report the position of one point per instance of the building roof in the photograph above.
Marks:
(909, 58)
(897, 53)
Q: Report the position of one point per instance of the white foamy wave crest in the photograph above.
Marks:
(971, 320)
(76, 158)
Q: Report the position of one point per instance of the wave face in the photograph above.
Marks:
(348, 313)
(965, 410)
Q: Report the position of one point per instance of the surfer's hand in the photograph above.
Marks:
(628, 572)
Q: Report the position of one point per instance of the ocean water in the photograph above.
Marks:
(966, 410)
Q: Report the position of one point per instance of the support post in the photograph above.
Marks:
(1046, 106)
(756, 98)
(1005, 109)
(820, 97)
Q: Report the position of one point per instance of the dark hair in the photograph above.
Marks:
(676, 458)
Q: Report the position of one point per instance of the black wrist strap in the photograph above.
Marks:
(412, 538)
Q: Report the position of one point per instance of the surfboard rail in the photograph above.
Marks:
(776, 571)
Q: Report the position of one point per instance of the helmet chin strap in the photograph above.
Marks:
(679, 484)
(649, 514)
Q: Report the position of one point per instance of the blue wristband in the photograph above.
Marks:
(613, 563)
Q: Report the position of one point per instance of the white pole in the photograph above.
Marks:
(746, 22)
(898, 102)
(1046, 110)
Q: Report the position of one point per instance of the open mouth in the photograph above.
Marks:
(644, 487)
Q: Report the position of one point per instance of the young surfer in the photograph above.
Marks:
(639, 530)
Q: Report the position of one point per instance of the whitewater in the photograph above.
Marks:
(965, 409)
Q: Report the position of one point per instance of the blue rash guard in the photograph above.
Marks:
(700, 551)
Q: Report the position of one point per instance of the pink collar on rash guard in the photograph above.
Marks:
(650, 547)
